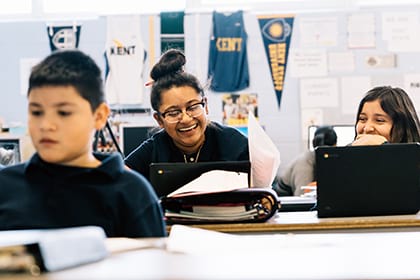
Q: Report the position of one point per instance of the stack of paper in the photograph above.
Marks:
(214, 181)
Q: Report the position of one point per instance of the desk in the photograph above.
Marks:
(281, 256)
(308, 221)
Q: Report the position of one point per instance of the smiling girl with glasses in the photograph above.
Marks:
(181, 111)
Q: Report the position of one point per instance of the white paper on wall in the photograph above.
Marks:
(400, 30)
(361, 30)
(341, 62)
(412, 87)
(352, 91)
(312, 116)
(316, 93)
(318, 31)
(26, 65)
(307, 63)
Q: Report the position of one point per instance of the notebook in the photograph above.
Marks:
(368, 180)
(166, 177)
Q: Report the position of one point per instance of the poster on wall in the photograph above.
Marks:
(318, 31)
(361, 30)
(276, 31)
(308, 63)
(412, 86)
(26, 65)
(236, 108)
(309, 117)
(64, 37)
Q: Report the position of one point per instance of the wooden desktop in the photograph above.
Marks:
(308, 221)
(378, 255)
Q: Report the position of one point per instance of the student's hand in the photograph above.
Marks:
(369, 139)
(313, 184)
(309, 187)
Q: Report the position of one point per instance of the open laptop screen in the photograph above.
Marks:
(368, 180)
(167, 177)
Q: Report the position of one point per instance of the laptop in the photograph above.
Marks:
(368, 180)
(167, 177)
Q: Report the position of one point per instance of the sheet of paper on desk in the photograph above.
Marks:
(264, 155)
(214, 181)
(369, 255)
(193, 240)
(117, 245)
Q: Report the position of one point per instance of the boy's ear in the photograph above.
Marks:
(101, 115)
(158, 119)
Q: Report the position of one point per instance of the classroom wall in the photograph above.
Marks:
(29, 40)
(286, 125)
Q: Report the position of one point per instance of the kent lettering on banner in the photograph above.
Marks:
(276, 31)
(64, 37)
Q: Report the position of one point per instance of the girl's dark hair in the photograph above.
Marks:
(169, 72)
(70, 68)
(324, 136)
(398, 105)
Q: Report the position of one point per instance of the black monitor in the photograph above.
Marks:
(345, 134)
(132, 135)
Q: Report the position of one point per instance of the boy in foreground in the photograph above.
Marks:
(64, 184)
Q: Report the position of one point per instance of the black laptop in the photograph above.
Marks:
(368, 180)
(167, 177)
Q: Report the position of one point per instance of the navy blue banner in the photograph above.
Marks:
(276, 31)
(64, 37)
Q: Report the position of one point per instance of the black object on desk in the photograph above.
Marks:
(167, 177)
(368, 180)
(297, 203)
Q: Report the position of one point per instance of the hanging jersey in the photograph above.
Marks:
(228, 64)
(64, 37)
(125, 56)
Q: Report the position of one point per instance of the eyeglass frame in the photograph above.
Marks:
(183, 111)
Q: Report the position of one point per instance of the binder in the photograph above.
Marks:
(245, 205)
(37, 251)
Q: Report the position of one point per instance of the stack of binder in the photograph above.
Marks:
(240, 205)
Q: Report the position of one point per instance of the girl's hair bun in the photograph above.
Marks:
(172, 61)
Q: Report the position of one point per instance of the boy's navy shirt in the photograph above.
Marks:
(41, 195)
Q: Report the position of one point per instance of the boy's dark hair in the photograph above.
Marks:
(169, 72)
(70, 68)
(324, 136)
(398, 105)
